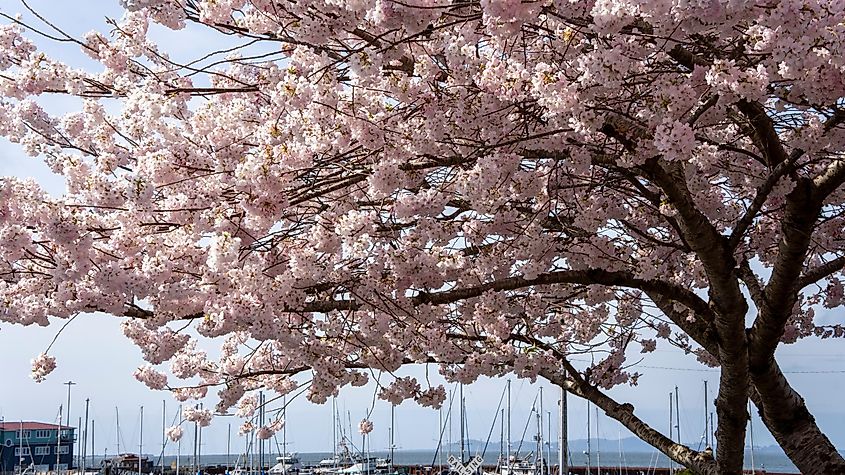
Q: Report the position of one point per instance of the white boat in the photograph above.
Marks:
(521, 466)
(362, 466)
(332, 464)
(286, 464)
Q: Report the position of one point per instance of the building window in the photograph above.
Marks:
(21, 451)
(62, 449)
(44, 450)
(42, 434)
(65, 433)
(24, 434)
(61, 467)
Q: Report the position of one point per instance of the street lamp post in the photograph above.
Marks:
(70, 460)
(68, 384)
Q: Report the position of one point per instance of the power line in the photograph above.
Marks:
(704, 370)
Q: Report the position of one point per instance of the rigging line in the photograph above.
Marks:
(493, 424)
(167, 439)
(443, 429)
(527, 423)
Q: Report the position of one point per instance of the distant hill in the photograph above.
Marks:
(629, 444)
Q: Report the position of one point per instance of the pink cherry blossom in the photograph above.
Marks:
(365, 426)
(174, 433)
(490, 188)
(43, 365)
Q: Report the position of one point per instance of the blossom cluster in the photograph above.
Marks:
(365, 426)
(388, 186)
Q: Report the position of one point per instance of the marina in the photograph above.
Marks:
(44, 448)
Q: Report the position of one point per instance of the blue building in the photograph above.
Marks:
(37, 445)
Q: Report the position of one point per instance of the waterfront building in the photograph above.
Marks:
(35, 447)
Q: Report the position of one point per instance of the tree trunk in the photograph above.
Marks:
(786, 416)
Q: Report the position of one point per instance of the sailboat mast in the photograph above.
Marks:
(751, 434)
(260, 440)
(538, 453)
(79, 431)
(563, 434)
(163, 429)
(199, 447)
(463, 459)
(392, 434)
(179, 443)
(540, 433)
(449, 421)
(141, 440)
(706, 425)
(589, 440)
(117, 421)
(671, 428)
(228, 447)
(58, 438)
(549, 444)
(85, 439)
(334, 428)
(598, 443)
(508, 458)
(502, 438)
(196, 436)
(678, 415)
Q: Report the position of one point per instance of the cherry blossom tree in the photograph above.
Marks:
(490, 186)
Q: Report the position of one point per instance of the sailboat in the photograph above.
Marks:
(531, 463)
(127, 463)
(285, 463)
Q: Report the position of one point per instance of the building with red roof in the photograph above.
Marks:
(37, 445)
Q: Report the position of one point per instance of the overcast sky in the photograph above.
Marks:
(92, 351)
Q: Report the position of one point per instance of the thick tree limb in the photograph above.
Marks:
(582, 277)
(700, 462)
(711, 247)
(781, 293)
(786, 416)
(814, 274)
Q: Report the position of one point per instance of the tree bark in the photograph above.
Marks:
(786, 416)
